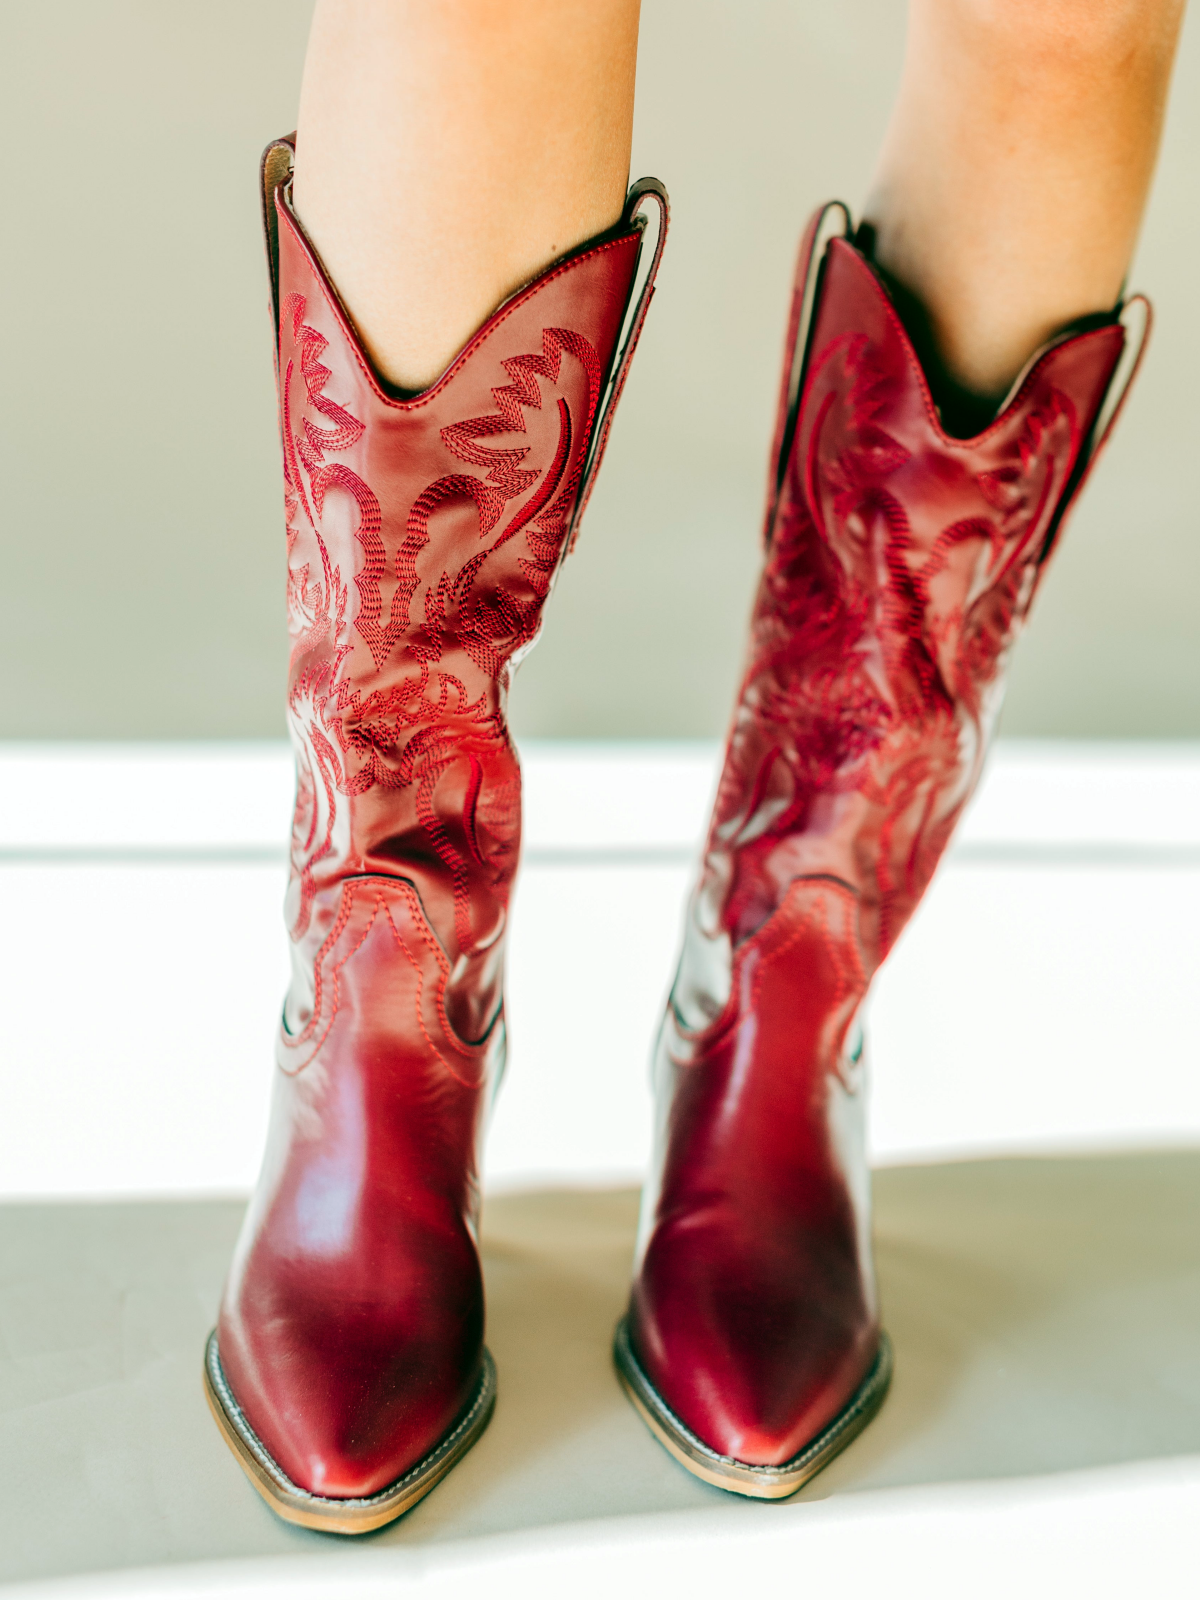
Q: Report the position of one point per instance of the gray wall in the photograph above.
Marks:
(142, 537)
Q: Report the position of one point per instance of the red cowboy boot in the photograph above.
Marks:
(900, 567)
(347, 1370)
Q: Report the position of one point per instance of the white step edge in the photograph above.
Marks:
(1085, 800)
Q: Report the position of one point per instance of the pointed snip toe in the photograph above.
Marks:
(755, 1481)
(322, 1512)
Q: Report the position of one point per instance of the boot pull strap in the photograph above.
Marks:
(277, 162)
(1136, 317)
(832, 221)
(645, 189)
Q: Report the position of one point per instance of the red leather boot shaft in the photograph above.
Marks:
(900, 566)
(423, 537)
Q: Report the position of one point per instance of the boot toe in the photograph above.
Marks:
(755, 1370)
(346, 1418)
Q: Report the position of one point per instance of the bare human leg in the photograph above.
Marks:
(500, 136)
(1014, 174)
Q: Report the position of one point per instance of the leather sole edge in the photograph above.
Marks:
(743, 1477)
(294, 1504)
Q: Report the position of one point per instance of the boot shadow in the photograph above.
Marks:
(1045, 1313)
(1046, 1318)
(564, 1445)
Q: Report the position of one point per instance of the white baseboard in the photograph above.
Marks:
(1043, 997)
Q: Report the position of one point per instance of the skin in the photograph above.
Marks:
(1014, 174)
(448, 150)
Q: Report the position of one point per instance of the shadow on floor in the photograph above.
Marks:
(1045, 1314)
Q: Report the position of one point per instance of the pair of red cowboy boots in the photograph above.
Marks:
(348, 1370)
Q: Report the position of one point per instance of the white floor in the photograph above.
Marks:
(1043, 1000)
(1099, 1534)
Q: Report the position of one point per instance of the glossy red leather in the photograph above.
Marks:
(900, 566)
(423, 537)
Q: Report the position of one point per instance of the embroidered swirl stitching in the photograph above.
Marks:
(404, 725)
(875, 652)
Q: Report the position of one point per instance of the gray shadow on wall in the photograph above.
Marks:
(1044, 1312)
